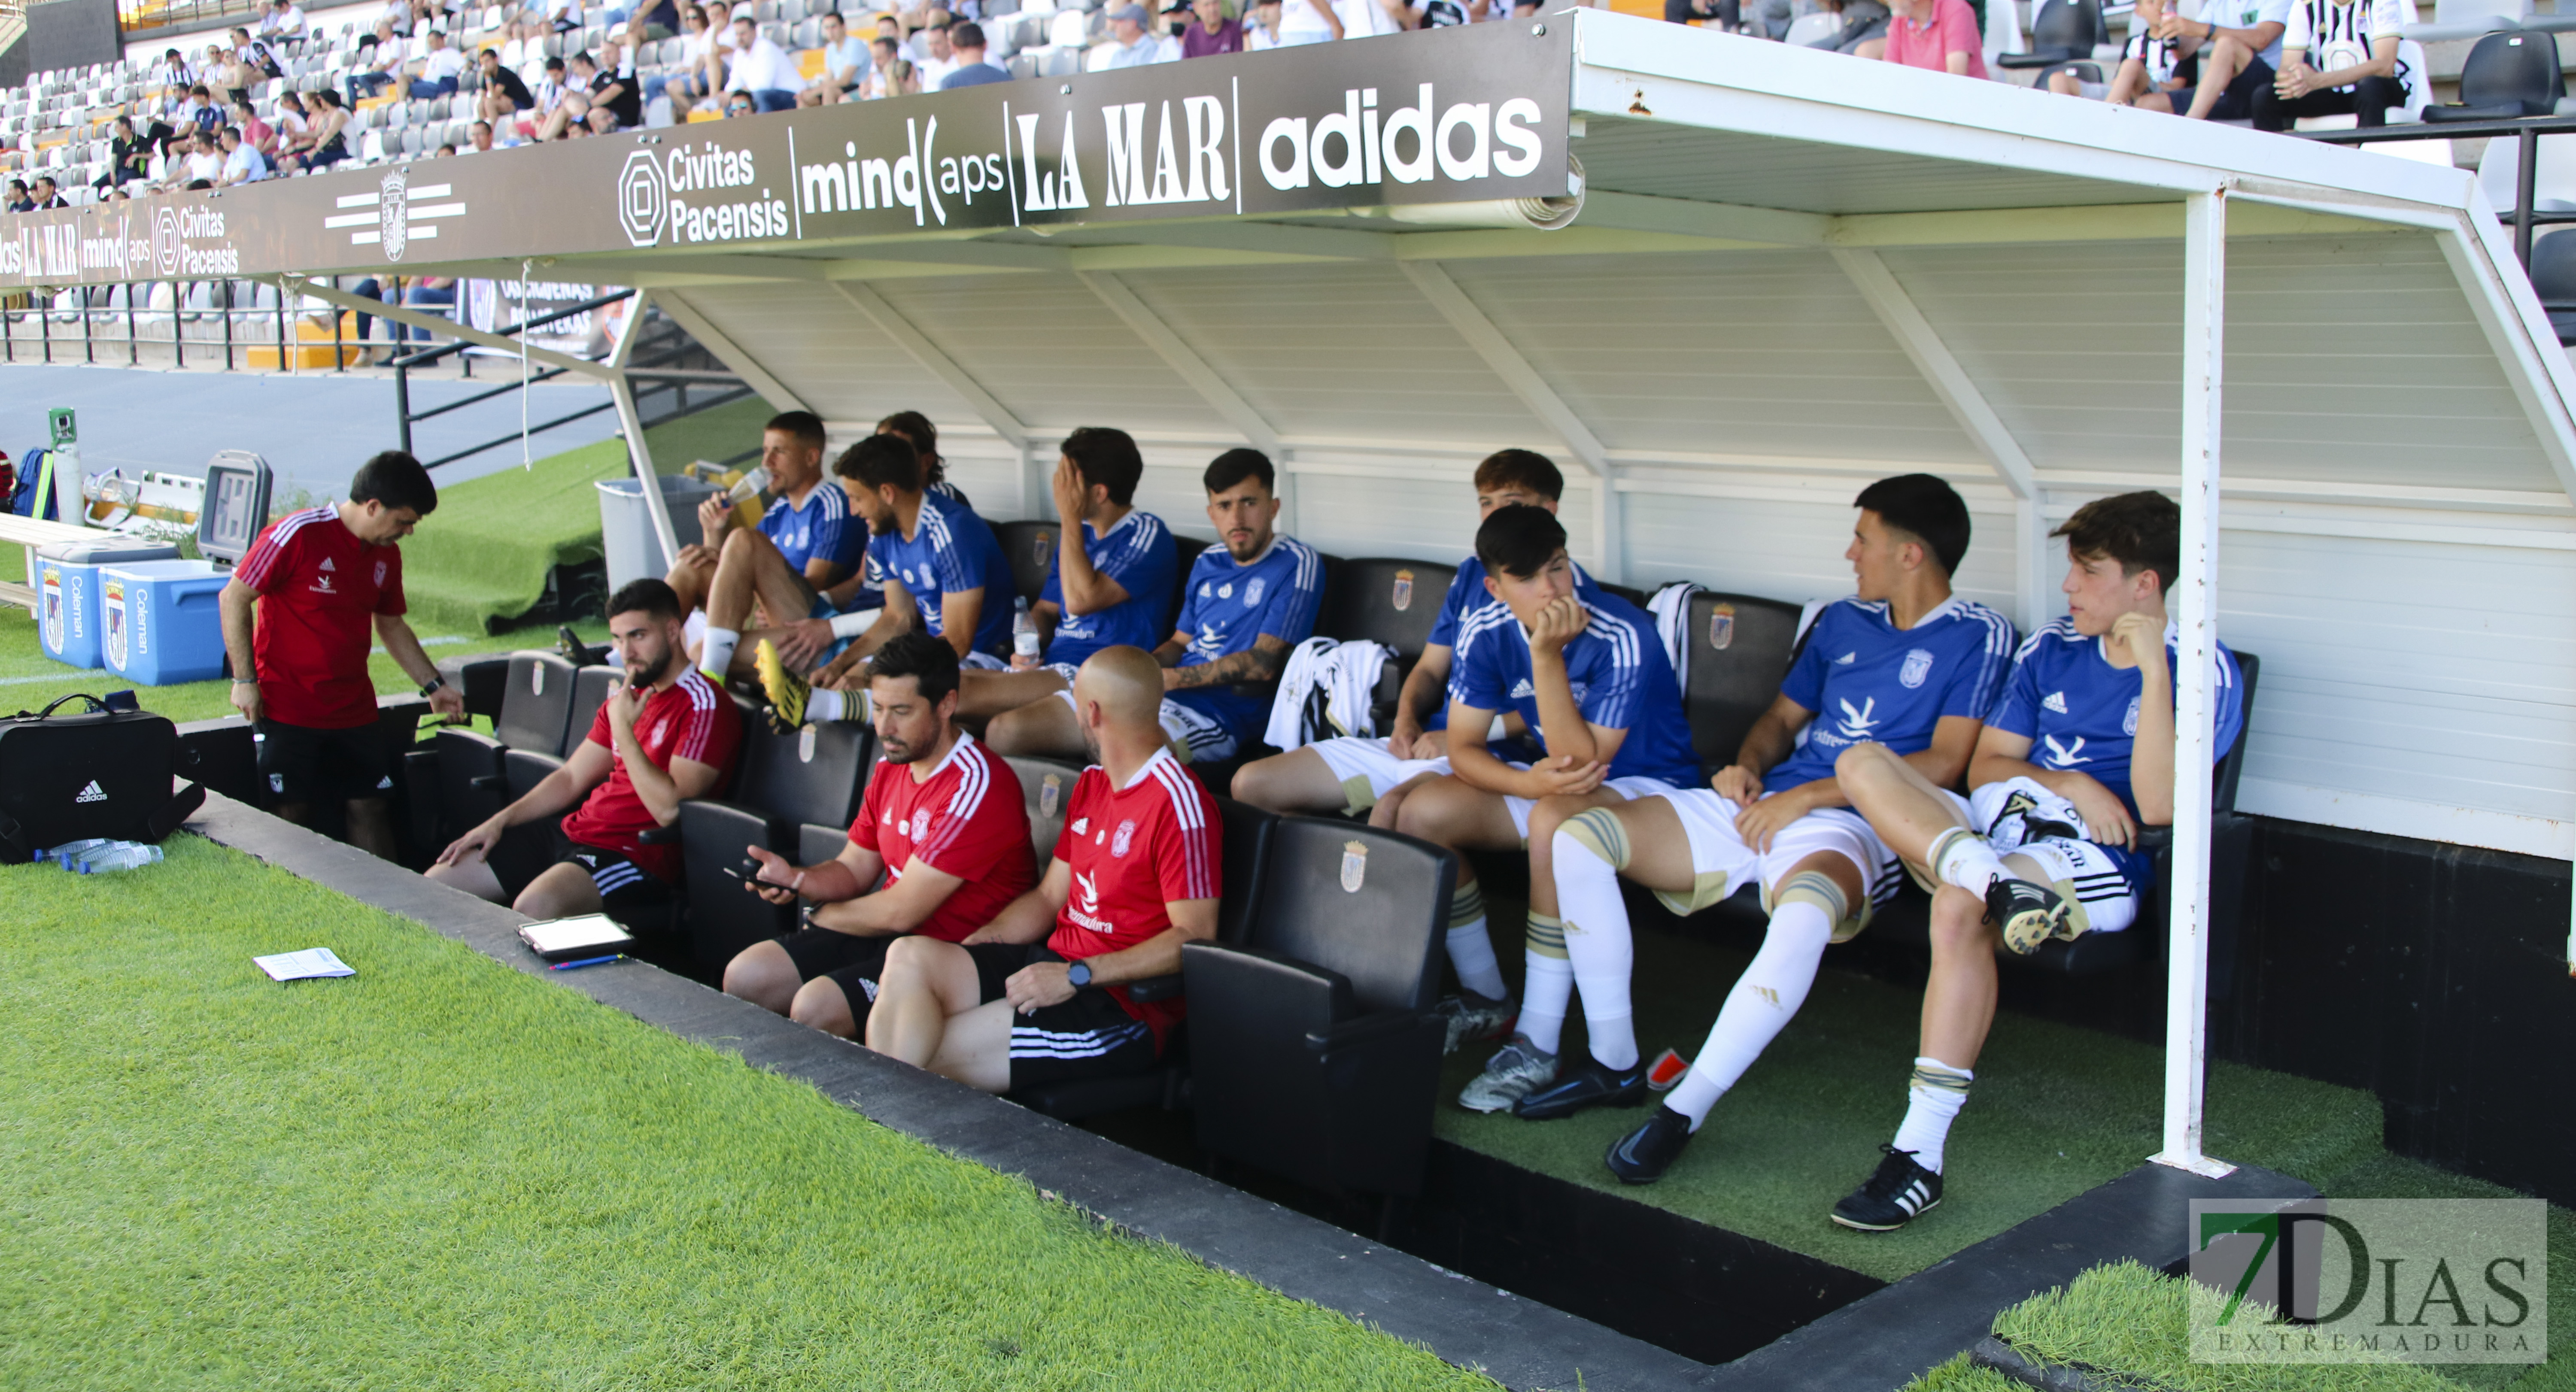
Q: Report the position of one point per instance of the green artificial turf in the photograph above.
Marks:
(441, 1173)
(481, 560)
(2055, 1111)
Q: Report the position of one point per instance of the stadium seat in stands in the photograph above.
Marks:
(1735, 653)
(1389, 601)
(2507, 76)
(1248, 832)
(1030, 546)
(784, 786)
(1315, 1051)
(2553, 278)
(2064, 30)
(534, 713)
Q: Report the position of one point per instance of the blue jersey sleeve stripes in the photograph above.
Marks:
(1621, 683)
(2080, 713)
(1612, 696)
(1139, 554)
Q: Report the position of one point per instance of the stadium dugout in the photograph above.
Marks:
(1731, 283)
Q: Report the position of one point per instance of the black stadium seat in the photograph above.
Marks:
(524, 851)
(1030, 548)
(1629, 593)
(2507, 76)
(2062, 31)
(1185, 554)
(1390, 601)
(788, 790)
(1315, 1051)
(1736, 651)
(534, 714)
(1045, 787)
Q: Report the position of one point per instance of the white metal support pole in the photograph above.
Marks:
(639, 455)
(2193, 605)
(2033, 583)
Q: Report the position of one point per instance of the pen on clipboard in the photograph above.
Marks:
(587, 962)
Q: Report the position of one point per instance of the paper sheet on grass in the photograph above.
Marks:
(297, 966)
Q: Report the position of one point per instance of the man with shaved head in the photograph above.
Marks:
(1038, 995)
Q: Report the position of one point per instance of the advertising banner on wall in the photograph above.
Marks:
(1463, 114)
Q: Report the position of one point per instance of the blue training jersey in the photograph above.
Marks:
(1137, 553)
(822, 529)
(1869, 681)
(2080, 712)
(1467, 593)
(1227, 605)
(951, 551)
(1620, 676)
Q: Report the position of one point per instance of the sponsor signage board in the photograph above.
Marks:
(1461, 114)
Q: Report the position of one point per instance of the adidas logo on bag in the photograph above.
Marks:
(92, 793)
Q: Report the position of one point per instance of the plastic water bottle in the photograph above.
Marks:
(69, 851)
(750, 485)
(1024, 631)
(113, 855)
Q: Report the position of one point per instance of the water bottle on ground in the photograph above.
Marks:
(66, 852)
(113, 855)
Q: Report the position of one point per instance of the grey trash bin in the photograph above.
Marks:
(626, 536)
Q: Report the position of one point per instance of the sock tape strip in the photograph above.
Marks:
(1467, 905)
(1817, 888)
(1937, 1078)
(1598, 830)
(1546, 935)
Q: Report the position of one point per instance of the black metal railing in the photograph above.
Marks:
(2525, 132)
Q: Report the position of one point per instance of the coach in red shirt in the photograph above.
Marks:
(1037, 995)
(667, 735)
(327, 583)
(942, 821)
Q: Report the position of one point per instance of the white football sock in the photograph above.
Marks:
(1597, 940)
(1933, 1099)
(823, 705)
(1772, 988)
(1963, 858)
(717, 656)
(1548, 986)
(1471, 948)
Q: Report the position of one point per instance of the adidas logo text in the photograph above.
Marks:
(92, 793)
(2056, 702)
(1846, 658)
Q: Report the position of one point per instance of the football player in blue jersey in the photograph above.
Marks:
(1905, 662)
(1114, 568)
(806, 543)
(938, 565)
(1250, 599)
(2077, 756)
(1589, 679)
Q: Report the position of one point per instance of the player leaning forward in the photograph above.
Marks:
(2078, 755)
(326, 581)
(1904, 662)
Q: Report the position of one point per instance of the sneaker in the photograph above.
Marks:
(1474, 1019)
(1894, 1196)
(786, 690)
(1642, 1156)
(575, 651)
(1591, 1085)
(1516, 1070)
(2026, 914)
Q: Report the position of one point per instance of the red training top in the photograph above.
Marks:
(1133, 850)
(965, 820)
(320, 590)
(688, 720)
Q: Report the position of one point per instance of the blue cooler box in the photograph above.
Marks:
(160, 622)
(66, 585)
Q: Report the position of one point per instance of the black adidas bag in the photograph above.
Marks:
(105, 772)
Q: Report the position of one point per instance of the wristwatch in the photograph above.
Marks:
(1078, 975)
(433, 686)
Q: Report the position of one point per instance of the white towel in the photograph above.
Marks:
(1671, 608)
(1325, 690)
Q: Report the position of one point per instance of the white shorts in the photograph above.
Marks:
(1634, 786)
(1199, 735)
(1367, 771)
(2086, 875)
(982, 662)
(1721, 863)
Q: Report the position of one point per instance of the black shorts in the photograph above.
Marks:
(855, 964)
(305, 765)
(627, 891)
(2237, 102)
(1089, 1036)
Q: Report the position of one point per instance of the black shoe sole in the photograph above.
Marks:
(1560, 1111)
(1884, 1227)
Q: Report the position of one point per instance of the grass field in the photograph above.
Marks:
(442, 1173)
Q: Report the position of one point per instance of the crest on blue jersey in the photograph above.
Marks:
(1252, 591)
(1918, 665)
(2129, 722)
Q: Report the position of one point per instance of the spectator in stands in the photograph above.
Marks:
(551, 91)
(572, 106)
(1035, 995)
(382, 61)
(2148, 76)
(2338, 57)
(617, 97)
(1261, 31)
(1132, 44)
(256, 133)
(1364, 19)
(2237, 61)
(1864, 22)
(46, 196)
(1940, 35)
(894, 74)
(667, 736)
(204, 162)
(329, 134)
(129, 156)
(294, 126)
(1214, 31)
(709, 60)
(762, 68)
(284, 20)
(740, 104)
(175, 74)
(1905, 663)
(426, 292)
(973, 68)
(19, 199)
(1308, 21)
(653, 21)
(845, 65)
(243, 163)
(439, 70)
(942, 822)
(503, 95)
(316, 590)
(478, 138)
(200, 110)
(933, 50)
(1440, 14)
(233, 77)
(524, 50)
(806, 543)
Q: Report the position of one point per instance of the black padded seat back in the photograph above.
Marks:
(1247, 853)
(725, 918)
(2553, 278)
(1385, 600)
(536, 703)
(1629, 593)
(1046, 786)
(1185, 554)
(590, 687)
(816, 844)
(1367, 904)
(811, 774)
(2062, 30)
(2232, 766)
(1030, 548)
(2513, 74)
(1735, 652)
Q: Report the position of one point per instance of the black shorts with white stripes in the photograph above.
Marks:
(626, 889)
(1089, 1036)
